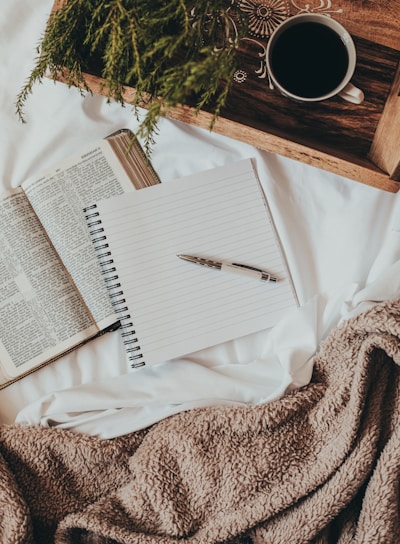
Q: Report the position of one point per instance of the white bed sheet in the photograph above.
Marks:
(341, 238)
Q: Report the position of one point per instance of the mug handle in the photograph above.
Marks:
(351, 93)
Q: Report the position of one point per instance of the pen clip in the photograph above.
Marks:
(247, 266)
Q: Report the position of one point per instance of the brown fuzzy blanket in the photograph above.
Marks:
(320, 465)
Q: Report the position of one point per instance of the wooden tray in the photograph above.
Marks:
(361, 142)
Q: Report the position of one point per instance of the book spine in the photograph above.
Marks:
(113, 285)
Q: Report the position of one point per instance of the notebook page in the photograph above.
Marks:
(177, 307)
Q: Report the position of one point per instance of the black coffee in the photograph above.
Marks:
(309, 59)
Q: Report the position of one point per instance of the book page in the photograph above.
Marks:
(59, 197)
(177, 307)
(41, 314)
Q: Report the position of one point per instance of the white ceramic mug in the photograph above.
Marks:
(304, 55)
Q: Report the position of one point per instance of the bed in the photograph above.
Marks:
(274, 437)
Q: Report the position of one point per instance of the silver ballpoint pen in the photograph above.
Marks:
(236, 268)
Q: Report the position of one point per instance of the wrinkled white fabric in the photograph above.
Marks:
(279, 360)
(341, 240)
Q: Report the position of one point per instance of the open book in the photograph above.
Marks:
(168, 307)
(52, 293)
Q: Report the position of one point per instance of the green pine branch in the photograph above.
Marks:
(172, 52)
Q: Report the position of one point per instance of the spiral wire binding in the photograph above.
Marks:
(118, 301)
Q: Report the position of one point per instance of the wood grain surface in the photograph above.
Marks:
(376, 20)
(333, 125)
(361, 142)
(385, 149)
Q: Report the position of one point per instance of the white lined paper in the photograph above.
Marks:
(178, 307)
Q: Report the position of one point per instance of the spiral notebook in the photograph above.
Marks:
(168, 307)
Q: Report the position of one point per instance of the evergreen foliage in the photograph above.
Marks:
(171, 51)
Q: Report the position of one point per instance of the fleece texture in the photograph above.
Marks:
(320, 465)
